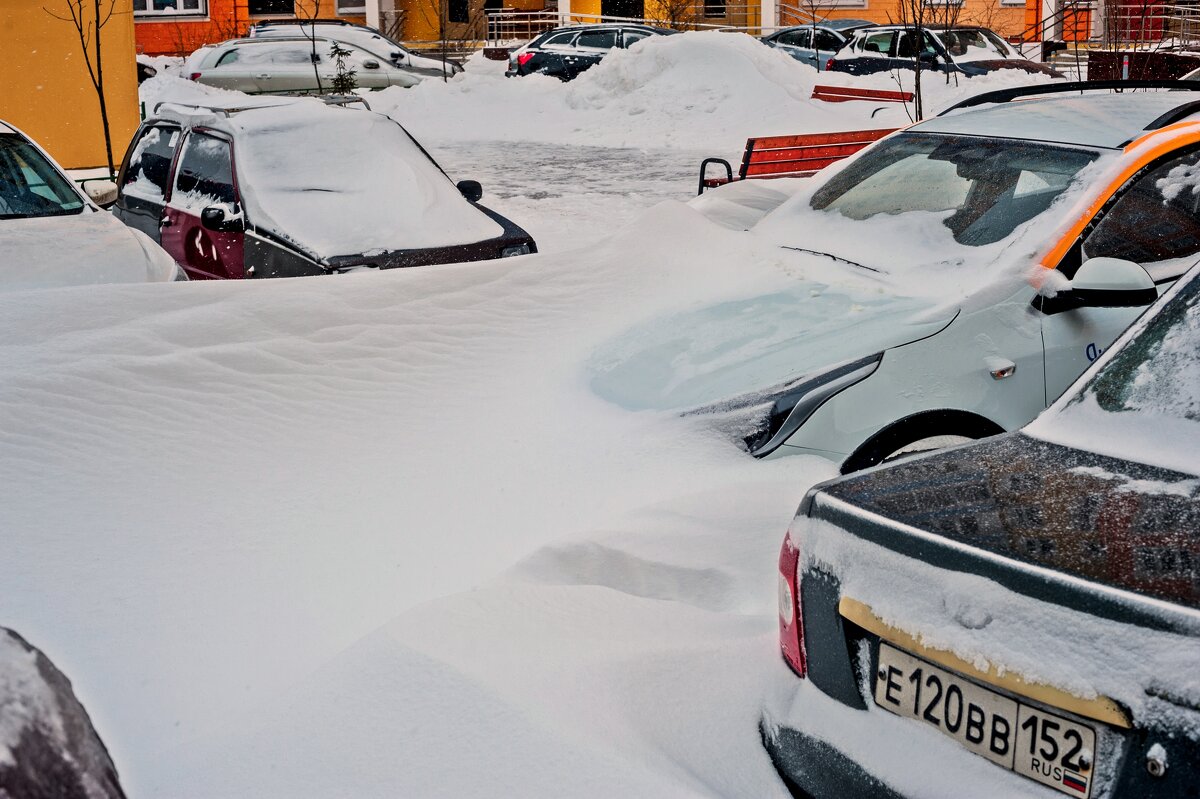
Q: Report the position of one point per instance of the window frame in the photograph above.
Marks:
(359, 7)
(287, 13)
(123, 178)
(177, 165)
(151, 13)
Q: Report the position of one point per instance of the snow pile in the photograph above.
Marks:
(224, 503)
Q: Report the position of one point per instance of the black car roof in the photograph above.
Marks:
(607, 26)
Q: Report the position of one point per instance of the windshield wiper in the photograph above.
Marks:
(834, 257)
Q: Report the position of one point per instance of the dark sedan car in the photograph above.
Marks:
(815, 44)
(285, 187)
(964, 49)
(1016, 617)
(565, 52)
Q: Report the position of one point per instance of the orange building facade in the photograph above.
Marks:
(177, 27)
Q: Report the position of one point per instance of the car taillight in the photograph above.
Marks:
(791, 624)
(194, 76)
(829, 65)
(523, 58)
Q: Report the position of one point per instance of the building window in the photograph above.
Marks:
(714, 8)
(260, 7)
(352, 6)
(169, 8)
(459, 11)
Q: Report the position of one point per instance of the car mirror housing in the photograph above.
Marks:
(471, 190)
(1104, 283)
(370, 64)
(222, 219)
(102, 192)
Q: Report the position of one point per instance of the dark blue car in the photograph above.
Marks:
(964, 49)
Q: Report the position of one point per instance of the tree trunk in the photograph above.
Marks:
(100, 93)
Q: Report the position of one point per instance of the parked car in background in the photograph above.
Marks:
(815, 44)
(53, 234)
(291, 66)
(566, 52)
(1022, 615)
(950, 280)
(367, 38)
(964, 49)
(284, 187)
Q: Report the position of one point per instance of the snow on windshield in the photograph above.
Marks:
(307, 173)
(939, 214)
(1144, 404)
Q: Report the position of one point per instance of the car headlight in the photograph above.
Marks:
(799, 401)
(509, 252)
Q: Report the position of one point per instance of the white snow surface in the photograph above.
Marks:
(373, 534)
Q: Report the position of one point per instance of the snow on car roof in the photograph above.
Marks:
(1104, 120)
(339, 181)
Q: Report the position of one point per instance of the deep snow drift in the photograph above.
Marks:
(373, 534)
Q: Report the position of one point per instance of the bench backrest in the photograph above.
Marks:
(840, 94)
(803, 155)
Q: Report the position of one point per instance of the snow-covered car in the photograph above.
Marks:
(566, 52)
(1018, 617)
(815, 44)
(297, 65)
(963, 49)
(283, 187)
(362, 36)
(946, 283)
(53, 234)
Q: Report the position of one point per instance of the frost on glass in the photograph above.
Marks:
(1158, 372)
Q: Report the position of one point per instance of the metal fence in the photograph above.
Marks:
(505, 27)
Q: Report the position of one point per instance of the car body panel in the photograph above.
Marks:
(362, 36)
(815, 44)
(271, 211)
(72, 249)
(277, 65)
(566, 52)
(885, 48)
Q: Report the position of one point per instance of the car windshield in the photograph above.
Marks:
(1144, 404)
(29, 185)
(984, 188)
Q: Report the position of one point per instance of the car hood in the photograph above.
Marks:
(81, 249)
(754, 346)
(1115, 522)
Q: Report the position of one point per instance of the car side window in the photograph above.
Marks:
(598, 40)
(205, 173)
(824, 40)
(878, 43)
(560, 41)
(630, 38)
(228, 58)
(800, 38)
(149, 166)
(1156, 220)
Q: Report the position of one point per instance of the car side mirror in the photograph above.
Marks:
(102, 192)
(471, 190)
(928, 58)
(370, 64)
(1104, 283)
(222, 219)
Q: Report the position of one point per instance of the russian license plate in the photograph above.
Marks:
(1029, 741)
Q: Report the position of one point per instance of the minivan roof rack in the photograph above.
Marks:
(1008, 95)
(317, 21)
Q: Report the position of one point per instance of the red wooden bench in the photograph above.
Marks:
(791, 156)
(841, 94)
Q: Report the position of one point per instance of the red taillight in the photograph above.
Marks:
(523, 58)
(791, 624)
(194, 76)
(829, 65)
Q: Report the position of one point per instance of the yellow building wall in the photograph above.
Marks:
(45, 89)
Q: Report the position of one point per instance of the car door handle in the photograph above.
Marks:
(165, 222)
(262, 77)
